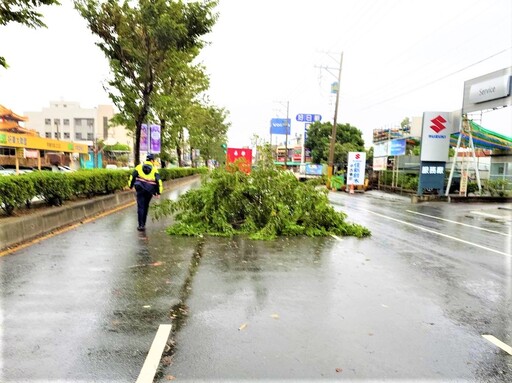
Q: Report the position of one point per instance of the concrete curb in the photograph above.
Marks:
(17, 230)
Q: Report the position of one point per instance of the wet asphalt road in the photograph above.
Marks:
(411, 303)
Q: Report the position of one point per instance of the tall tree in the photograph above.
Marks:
(348, 139)
(180, 87)
(141, 39)
(207, 129)
(22, 12)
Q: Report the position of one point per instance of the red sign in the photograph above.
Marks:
(242, 156)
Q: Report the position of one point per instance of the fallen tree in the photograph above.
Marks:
(264, 204)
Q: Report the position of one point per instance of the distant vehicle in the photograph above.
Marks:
(111, 166)
(6, 172)
(62, 168)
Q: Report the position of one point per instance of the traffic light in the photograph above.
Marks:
(224, 147)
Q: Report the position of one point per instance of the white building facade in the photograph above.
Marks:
(68, 121)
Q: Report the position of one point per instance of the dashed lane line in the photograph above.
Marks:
(336, 237)
(439, 233)
(459, 223)
(505, 347)
(147, 374)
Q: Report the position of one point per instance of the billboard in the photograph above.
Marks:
(280, 126)
(314, 170)
(380, 163)
(397, 147)
(242, 156)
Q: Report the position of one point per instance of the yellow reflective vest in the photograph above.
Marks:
(145, 176)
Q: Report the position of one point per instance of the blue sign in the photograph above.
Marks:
(397, 147)
(302, 117)
(280, 126)
(314, 170)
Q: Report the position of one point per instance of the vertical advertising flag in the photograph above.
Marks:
(144, 138)
(356, 168)
(155, 138)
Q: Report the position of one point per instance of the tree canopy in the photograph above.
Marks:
(348, 139)
(22, 12)
(148, 43)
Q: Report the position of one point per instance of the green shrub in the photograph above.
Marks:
(52, 187)
(15, 191)
(497, 187)
(55, 187)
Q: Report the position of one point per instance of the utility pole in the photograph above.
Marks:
(333, 133)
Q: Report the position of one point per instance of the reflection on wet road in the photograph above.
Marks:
(406, 304)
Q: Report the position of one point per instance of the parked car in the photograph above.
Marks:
(6, 172)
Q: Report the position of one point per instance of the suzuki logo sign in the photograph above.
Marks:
(435, 136)
(438, 124)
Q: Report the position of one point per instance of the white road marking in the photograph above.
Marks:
(487, 215)
(336, 237)
(459, 223)
(440, 234)
(505, 347)
(147, 374)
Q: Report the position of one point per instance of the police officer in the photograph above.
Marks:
(147, 182)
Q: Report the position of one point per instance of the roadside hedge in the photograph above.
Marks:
(54, 188)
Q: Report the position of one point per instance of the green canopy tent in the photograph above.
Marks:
(482, 138)
(472, 135)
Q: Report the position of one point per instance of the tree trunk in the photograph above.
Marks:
(178, 153)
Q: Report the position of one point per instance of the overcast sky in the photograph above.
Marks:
(400, 58)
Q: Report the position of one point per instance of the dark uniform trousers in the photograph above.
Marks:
(143, 200)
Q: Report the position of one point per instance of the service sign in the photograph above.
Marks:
(490, 90)
(356, 168)
(435, 136)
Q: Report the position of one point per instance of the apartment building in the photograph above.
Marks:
(68, 121)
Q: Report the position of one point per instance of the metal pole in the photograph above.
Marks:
(286, 135)
(333, 133)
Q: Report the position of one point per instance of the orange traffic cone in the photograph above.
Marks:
(351, 188)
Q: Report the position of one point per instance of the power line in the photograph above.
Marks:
(437, 80)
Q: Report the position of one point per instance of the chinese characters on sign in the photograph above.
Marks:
(302, 117)
(432, 170)
(356, 168)
(14, 140)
